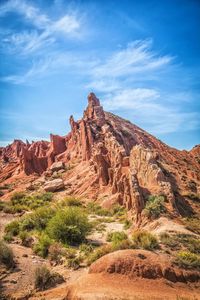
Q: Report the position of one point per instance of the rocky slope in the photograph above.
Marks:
(109, 159)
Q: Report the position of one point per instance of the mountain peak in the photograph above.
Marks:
(112, 159)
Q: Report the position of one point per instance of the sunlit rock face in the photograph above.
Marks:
(113, 161)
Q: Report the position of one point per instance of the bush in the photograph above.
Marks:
(168, 240)
(99, 252)
(116, 236)
(6, 255)
(121, 245)
(38, 219)
(188, 260)
(118, 210)
(154, 207)
(69, 253)
(192, 243)
(144, 240)
(127, 224)
(25, 238)
(8, 237)
(75, 262)
(17, 197)
(70, 201)
(69, 226)
(44, 279)
(2, 205)
(97, 209)
(12, 228)
(193, 224)
(30, 201)
(42, 216)
(86, 249)
(42, 246)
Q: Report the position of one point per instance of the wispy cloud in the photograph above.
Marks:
(123, 80)
(28, 11)
(45, 30)
(147, 107)
(137, 57)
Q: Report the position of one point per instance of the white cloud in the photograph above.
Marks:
(130, 98)
(45, 32)
(147, 107)
(28, 11)
(137, 57)
(67, 24)
(36, 71)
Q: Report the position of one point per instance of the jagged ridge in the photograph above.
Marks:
(113, 160)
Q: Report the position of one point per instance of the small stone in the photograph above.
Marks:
(13, 281)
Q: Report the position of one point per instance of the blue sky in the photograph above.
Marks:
(141, 58)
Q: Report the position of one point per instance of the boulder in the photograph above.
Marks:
(144, 264)
(54, 185)
(56, 166)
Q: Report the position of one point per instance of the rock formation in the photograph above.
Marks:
(113, 161)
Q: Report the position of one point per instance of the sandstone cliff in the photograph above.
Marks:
(111, 160)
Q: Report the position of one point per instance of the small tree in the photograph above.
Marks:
(69, 226)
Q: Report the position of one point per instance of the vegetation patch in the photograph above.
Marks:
(20, 202)
(188, 260)
(45, 279)
(154, 207)
(69, 226)
(6, 255)
(144, 240)
(41, 248)
(193, 224)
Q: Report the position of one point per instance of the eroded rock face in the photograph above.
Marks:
(112, 160)
(142, 263)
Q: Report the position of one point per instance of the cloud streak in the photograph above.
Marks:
(45, 32)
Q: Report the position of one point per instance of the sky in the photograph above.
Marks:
(140, 58)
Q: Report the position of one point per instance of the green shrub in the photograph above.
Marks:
(168, 240)
(12, 228)
(69, 226)
(116, 236)
(42, 246)
(190, 242)
(75, 262)
(121, 245)
(6, 255)
(99, 252)
(69, 253)
(127, 224)
(70, 201)
(1, 193)
(25, 238)
(86, 249)
(144, 240)
(8, 237)
(42, 216)
(154, 207)
(188, 260)
(30, 201)
(38, 219)
(44, 279)
(27, 223)
(2, 205)
(193, 224)
(97, 209)
(17, 197)
(118, 210)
